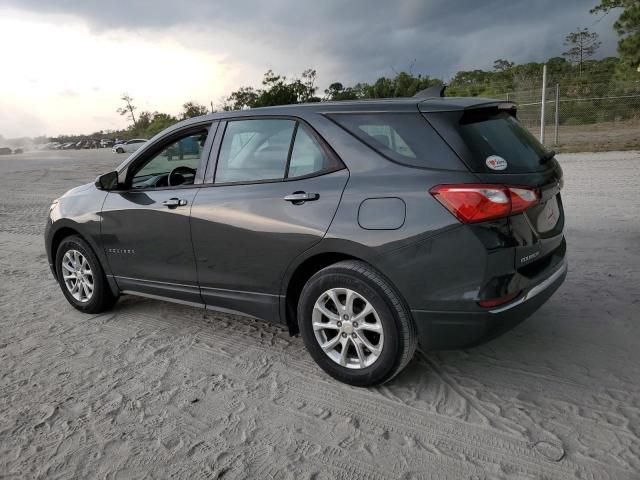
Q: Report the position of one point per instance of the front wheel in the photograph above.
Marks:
(354, 324)
(81, 277)
(119, 150)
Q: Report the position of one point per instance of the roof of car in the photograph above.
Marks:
(435, 104)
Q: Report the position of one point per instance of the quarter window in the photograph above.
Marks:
(405, 138)
(307, 156)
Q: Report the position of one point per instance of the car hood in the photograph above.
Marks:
(80, 189)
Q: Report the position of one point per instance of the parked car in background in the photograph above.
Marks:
(367, 227)
(5, 151)
(68, 146)
(129, 146)
(107, 142)
(18, 150)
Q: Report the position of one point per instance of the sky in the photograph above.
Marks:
(65, 63)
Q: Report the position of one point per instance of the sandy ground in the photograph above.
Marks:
(156, 390)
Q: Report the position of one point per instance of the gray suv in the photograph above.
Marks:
(367, 227)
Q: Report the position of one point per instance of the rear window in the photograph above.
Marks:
(477, 135)
(405, 138)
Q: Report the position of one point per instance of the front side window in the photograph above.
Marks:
(176, 164)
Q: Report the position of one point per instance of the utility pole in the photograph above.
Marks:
(544, 95)
(557, 115)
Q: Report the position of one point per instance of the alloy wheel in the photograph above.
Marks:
(77, 275)
(348, 328)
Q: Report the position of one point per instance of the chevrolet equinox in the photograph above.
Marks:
(368, 227)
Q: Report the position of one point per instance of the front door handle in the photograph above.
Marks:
(298, 198)
(174, 202)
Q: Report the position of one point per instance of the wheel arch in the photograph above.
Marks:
(299, 277)
(68, 230)
(56, 240)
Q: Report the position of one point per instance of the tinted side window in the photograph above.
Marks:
(307, 156)
(405, 138)
(254, 150)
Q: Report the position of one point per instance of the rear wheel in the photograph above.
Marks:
(81, 277)
(354, 324)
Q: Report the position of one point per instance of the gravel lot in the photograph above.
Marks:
(154, 390)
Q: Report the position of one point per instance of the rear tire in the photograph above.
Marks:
(81, 277)
(365, 340)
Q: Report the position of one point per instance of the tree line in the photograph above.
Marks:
(576, 71)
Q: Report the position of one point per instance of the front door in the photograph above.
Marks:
(145, 226)
(275, 192)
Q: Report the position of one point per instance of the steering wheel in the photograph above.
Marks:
(180, 170)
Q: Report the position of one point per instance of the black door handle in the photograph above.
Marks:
(298, 198)
(174, 202)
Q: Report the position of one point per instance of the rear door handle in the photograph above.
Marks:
(298, 198)
(174, 202)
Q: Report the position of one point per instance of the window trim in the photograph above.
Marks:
(212, 166)
(294, 134)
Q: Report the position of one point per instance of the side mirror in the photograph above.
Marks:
(108, 181)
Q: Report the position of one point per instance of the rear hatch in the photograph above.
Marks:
(499, 150)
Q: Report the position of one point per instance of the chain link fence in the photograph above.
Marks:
(582, 116)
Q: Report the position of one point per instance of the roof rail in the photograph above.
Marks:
(435, 91)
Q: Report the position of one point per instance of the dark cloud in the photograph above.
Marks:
(356, 40)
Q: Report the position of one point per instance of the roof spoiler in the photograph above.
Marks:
(436, 91)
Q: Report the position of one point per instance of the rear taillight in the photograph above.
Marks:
(472, 203)
(494, 302)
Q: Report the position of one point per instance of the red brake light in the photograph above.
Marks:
(472, 203)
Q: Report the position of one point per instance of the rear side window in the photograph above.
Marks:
(259, 150)
(405, 138)
(254, 150)
(477, 135)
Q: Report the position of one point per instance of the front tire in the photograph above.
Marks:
(81, 276)
(354, 324)
(119, 150)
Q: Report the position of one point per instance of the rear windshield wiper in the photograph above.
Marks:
(547, 156)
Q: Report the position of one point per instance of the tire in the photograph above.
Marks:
(356, 280)
(119, 150)
(101, 297)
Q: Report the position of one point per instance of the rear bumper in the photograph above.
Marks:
(438, 330)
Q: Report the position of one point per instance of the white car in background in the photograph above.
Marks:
(129, 145)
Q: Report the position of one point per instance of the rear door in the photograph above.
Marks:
(273, 194)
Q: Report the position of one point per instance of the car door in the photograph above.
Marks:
(145, 224)
(275, 190)
(131, 145)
